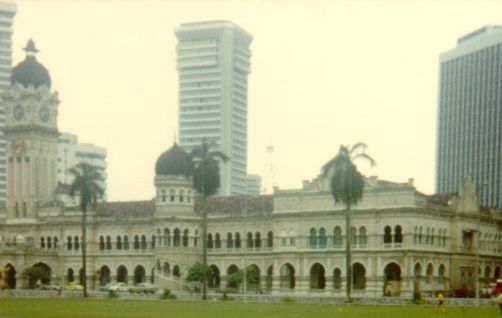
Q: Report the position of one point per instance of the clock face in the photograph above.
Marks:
(44, 114)
(18, 112)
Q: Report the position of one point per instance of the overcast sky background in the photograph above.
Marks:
(323, 73)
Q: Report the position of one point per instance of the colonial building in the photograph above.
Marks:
(402, 240)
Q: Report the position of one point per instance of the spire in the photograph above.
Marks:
(30, 48)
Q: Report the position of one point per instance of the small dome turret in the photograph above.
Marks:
(30, 71)
(174, 162)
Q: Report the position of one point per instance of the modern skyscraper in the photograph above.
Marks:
(214, 62)
(7, 13)
(71, 153)
(470, 115)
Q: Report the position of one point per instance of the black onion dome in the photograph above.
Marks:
(30, 71)
(174, 161)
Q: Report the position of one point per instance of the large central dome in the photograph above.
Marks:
(174, 162)
(30, 71)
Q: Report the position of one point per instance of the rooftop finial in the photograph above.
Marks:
(30, 48)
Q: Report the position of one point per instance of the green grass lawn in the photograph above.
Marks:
(11, 307)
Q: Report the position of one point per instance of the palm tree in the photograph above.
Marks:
(347, 187)
(85, 186)
(206, 181)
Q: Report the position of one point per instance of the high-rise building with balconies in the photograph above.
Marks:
(470, 115)
(213, 60)
(7, 13)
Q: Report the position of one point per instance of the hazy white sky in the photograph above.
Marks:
(324, 73)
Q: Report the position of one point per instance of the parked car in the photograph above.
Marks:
(119, 287)
(143, 288)
(73, 286)
(105, 287)
(49, 287)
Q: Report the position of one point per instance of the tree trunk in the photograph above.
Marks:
(84, 252)
(348, 252)
(204, 248)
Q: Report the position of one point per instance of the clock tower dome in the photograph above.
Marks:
(31, 134)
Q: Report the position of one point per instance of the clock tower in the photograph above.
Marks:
(31, 135)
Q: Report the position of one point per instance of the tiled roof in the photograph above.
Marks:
(237, 205)
(233, 205)
(128, 209)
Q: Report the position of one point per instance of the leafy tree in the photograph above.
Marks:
(346, 186)
(36, 273)
(85, 186)
(206, 181)
(237, 278)
(197, 271)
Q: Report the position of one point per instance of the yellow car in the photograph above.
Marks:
(73, 286)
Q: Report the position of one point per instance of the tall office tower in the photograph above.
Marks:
(7, 13)
(71, 153)
(214, 62)
(470, 115)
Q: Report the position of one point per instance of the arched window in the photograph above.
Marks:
(440, 237)
(42, 242)
(441, 273)
(337, 278)
(430, 272)
(76, 244)
(153, 241)
(163, 195)
(189, 196)
(398, 234)
(420, 235)
(217, 240)
(313, 238)
(432, 236)
(209, 240)
(321, 239)
(56, 242)
(363, 238)
(337, 237)
(415, 235)
(427, 236)
(196, 238)
(126, 242)
(108, 242)
(444, 237)
(230, 242)
(387, 235)
(136, 242)
(353, 236)
(167, 237)
(185, 238)
(237, 240)
(68, 243)
(49, 242)
(249, 240)
(270, 239)
(182, 194)
(176, 237)
(172, 194)
(119, 242)
(101, 243)
(257, 240)
(143, 242)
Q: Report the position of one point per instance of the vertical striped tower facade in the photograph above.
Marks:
(469, 141)
(213, 60)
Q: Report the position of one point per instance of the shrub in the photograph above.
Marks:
(288, 299)
(167, 294)
(225, 297)
(112, 294)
